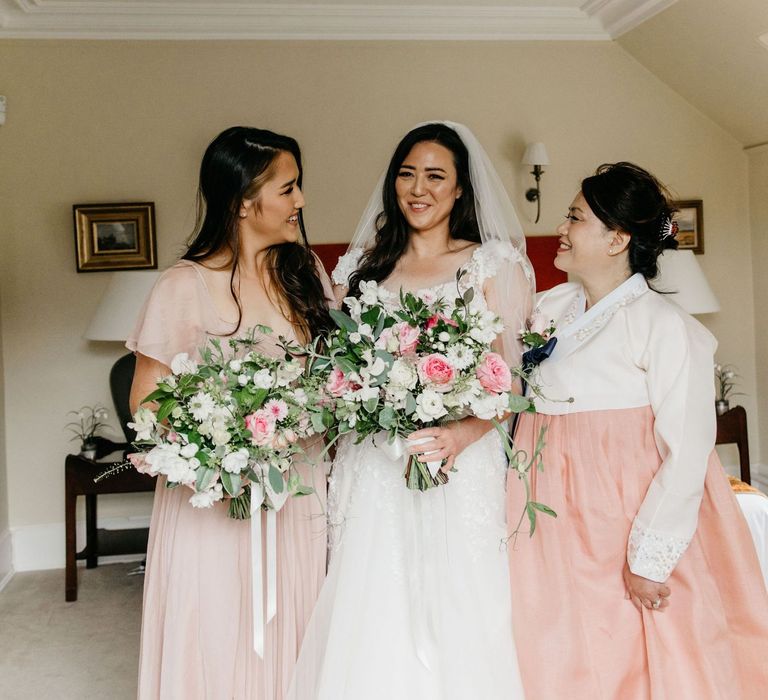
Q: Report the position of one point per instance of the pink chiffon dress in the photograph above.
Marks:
(196, 637)
(629, 468)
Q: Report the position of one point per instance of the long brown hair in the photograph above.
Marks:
(235, 166)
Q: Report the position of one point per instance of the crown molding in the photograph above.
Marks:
(595, 20)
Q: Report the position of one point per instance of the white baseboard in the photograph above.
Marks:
(6, 558)
(38, 547)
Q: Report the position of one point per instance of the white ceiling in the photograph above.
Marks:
(713, 53)
(323, 19)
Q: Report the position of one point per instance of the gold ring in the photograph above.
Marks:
(656, 604)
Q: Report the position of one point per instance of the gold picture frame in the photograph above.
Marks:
(690, 225)
(115, 236)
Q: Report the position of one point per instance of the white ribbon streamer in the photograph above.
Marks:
(260, 620)
(397, 448)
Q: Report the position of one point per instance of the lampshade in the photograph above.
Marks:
(680, 274)
(535, 154)
(119, 307)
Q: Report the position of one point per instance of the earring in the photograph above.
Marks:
(610, 251)
(243, 214)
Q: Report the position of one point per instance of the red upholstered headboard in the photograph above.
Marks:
(541, 251)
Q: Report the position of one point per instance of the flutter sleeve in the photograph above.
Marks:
(172, 319)
(507, 282)
(346, 266)
(677, 354)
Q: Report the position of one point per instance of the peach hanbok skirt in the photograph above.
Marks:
(196, 637)
(577, 635)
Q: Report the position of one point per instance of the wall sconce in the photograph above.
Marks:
(535, 155)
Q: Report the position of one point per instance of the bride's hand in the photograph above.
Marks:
(448, 440)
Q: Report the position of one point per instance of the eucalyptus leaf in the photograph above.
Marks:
(205, 476)
(231, 483)
(519, 404)
(276, 479)
(342, 320)
(543, 508)
(531, 518)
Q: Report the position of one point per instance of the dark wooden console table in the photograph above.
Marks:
(732, 427)
(79, 475)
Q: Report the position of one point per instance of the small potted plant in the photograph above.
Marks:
(85, 426)
(725, 377)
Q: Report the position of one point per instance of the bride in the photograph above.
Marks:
(416, 603)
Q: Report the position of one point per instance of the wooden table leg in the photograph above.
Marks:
(70, 507)
(91, 535)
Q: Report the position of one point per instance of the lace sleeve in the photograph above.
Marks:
(676, 353)
(346, 266)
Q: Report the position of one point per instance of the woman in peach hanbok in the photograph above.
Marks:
(647, 584)
(249, 264)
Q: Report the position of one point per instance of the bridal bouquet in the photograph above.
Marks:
(227, 428)
(388, 372)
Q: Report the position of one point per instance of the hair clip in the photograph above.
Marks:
(669, 227)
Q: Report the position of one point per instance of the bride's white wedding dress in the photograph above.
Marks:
(416, 604)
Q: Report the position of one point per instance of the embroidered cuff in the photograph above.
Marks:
(346, 266)
(653, 555)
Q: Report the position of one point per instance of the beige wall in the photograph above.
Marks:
(3, 461)
(110, 121)
(758, 205)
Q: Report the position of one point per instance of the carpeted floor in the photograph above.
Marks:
(87, 650)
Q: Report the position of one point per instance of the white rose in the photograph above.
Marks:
(235, 365)
(403, 375)
(396, 396)
(242, 379)
(189, 450)
(205, 499)
(263, 379)
(288, 372)
(144, 422)
(182, 364)
(220, 437)
(429, 406)
(235, 462)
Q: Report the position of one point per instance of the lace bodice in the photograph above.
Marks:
(483, 264)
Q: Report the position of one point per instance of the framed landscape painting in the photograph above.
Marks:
(690, 223)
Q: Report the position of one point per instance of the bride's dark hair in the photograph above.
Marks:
(235, 166)
(392, 230)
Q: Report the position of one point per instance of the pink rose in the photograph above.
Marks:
(139, 461)
(494, 374)
(436, 371)
(408, 336)
(261, 424)
(337, 384)
(432, 321)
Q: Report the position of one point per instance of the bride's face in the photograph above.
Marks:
(427, 187)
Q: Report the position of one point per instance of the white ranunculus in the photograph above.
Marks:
(144, 423)
(263, 379)
(205, 499)
(429, 406)
(182, 364)
(220, 437)
(396, 397)
(403, 375)
(235, 462)
(189, 450)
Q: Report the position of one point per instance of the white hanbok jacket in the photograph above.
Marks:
(637, 348)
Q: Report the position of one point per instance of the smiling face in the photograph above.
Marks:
(587, 245)
(426, 187)
(272, 214)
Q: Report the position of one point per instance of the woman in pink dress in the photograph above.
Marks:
(248, 264)
(647, 584)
